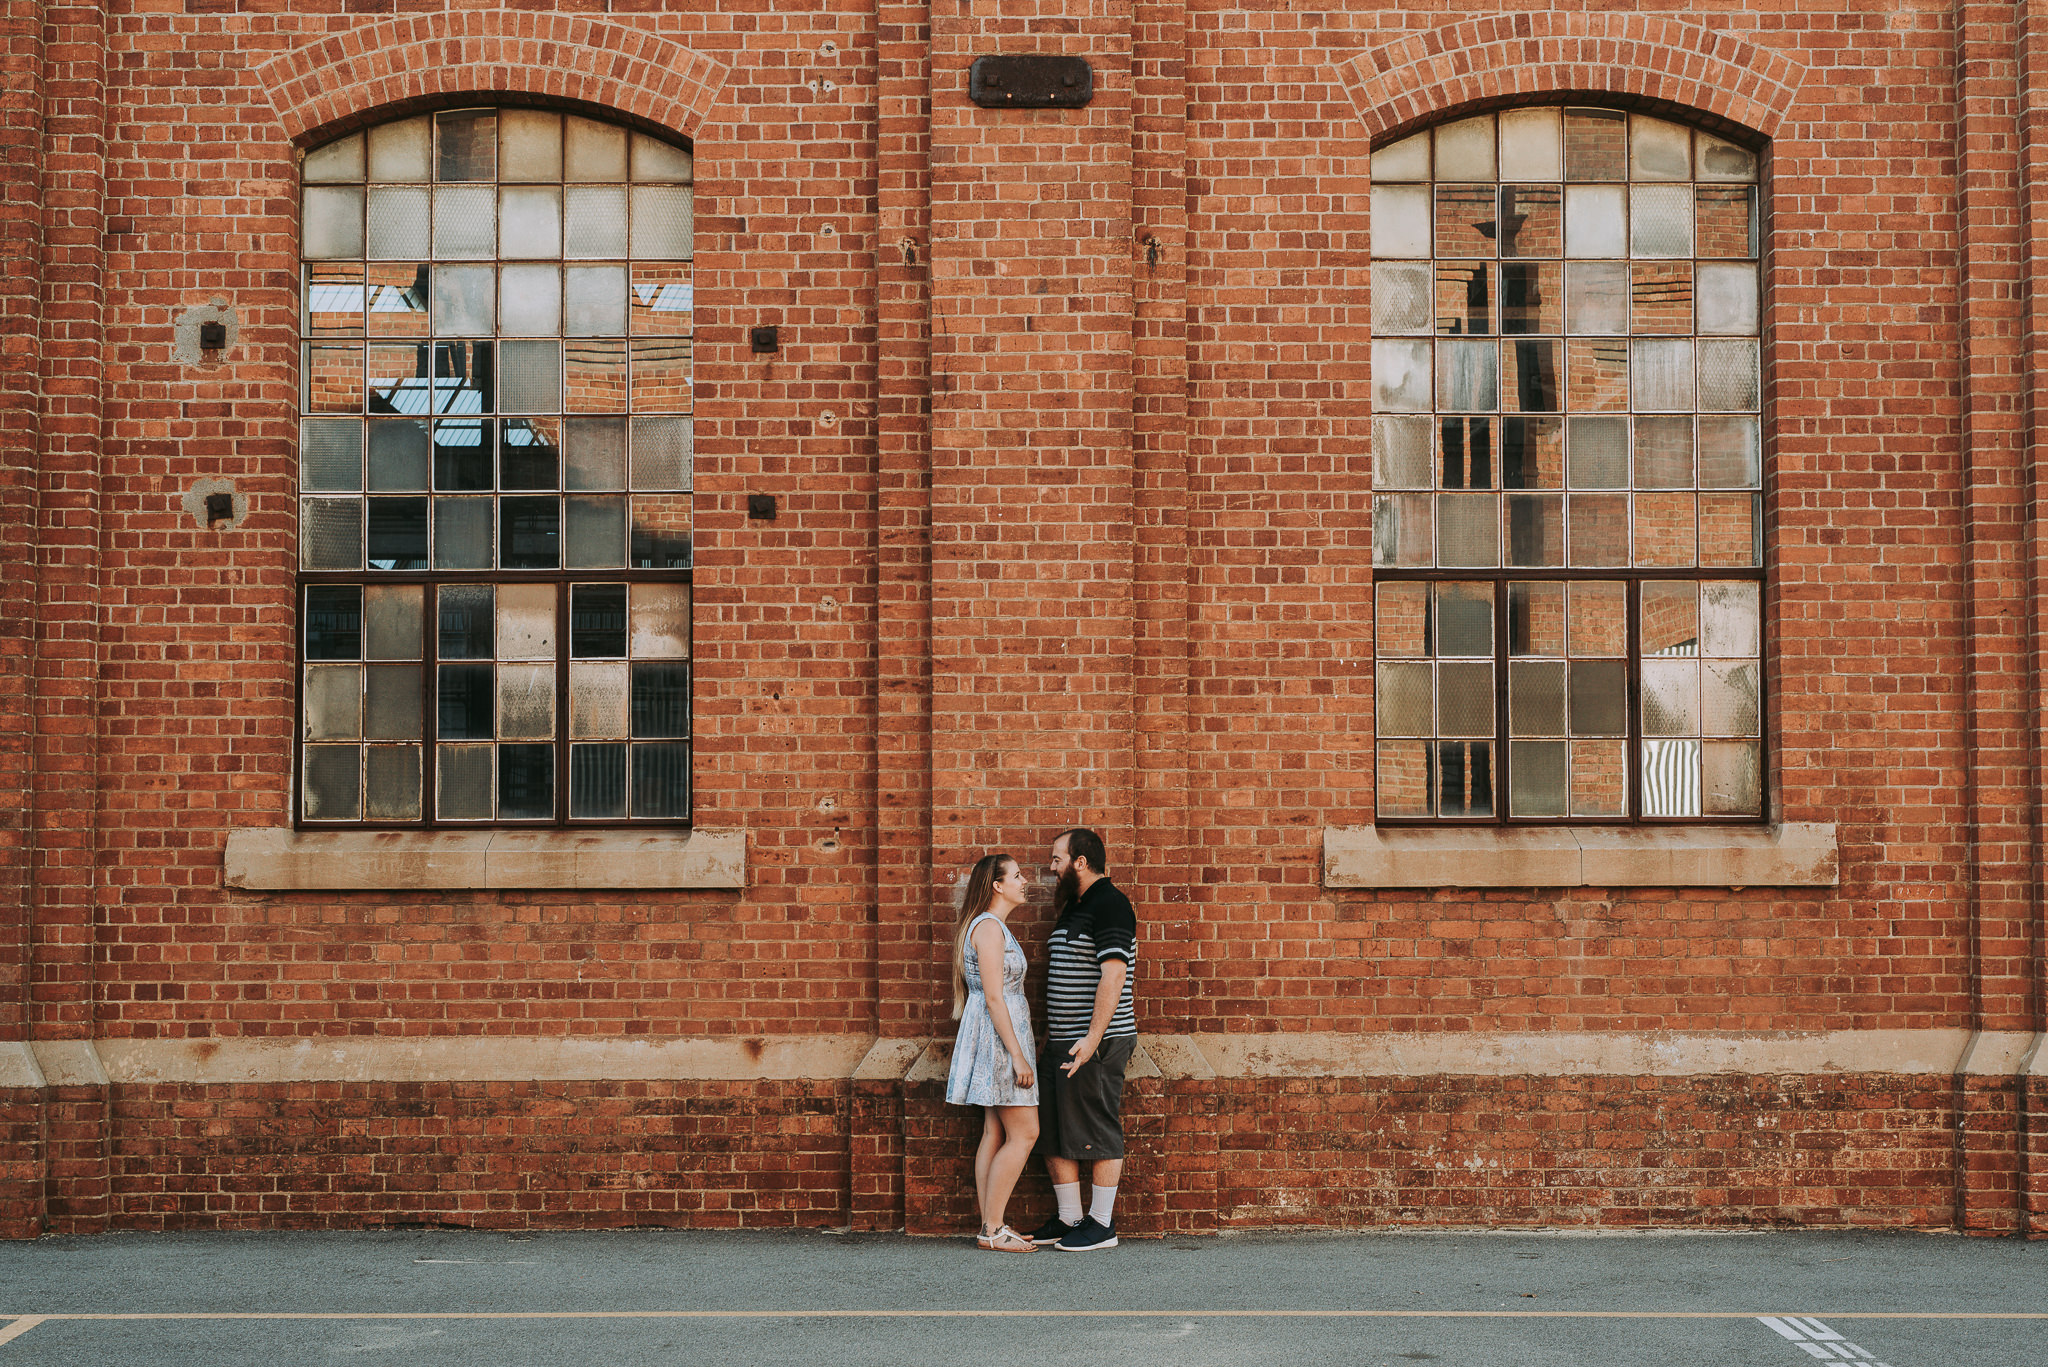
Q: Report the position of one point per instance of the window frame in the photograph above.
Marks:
(429, 580)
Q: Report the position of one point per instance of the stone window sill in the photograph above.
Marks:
(1791, 855)
(280, 860)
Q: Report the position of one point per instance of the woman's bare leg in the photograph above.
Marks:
(984, 1155)
(1019, 1126)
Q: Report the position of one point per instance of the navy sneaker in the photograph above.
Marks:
(1087, 1236)
(1051, 1232)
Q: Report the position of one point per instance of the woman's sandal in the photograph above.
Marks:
(1005, 1240)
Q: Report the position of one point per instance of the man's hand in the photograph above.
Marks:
(1080, 1053)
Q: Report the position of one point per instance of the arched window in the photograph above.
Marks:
(494, 474)
(1567, 468)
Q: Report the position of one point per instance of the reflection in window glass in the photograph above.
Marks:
(1567, 382)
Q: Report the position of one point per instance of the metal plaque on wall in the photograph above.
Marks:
(1033, 82)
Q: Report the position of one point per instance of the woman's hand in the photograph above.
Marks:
(1020, 1068)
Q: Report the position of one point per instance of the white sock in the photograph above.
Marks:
(1069, 1196)
(1102, 1205)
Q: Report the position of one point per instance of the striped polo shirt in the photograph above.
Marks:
(1099, 926)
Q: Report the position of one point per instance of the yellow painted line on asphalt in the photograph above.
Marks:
(25, 1323)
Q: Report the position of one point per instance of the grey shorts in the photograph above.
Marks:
(1082, 1117)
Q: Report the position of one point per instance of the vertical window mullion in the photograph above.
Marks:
(1503, 775)
(1632, 720)
(430, 711)
(562, 701)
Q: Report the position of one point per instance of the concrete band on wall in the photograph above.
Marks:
(864, 1058)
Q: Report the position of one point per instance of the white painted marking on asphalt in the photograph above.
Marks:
(1818, 1341)
(20, 1327)
(1817, 1331)
(1785, 1330)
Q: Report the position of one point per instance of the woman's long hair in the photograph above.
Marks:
(981, 892)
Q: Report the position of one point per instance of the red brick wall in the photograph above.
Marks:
(1070, 436)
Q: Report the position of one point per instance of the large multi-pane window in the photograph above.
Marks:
(1567, 468)
(494, 474)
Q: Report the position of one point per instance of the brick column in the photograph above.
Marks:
(77, 1119)
(2002, 594)
(2033, 180)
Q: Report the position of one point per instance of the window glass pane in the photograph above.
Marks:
(526, 782)
(1468, 376)
(1728, 698)
(1663, 453)
(1531, 221)
(1596, 297)
(595, 451)
(393, 617)
(661, 780)
(1536, 619)
(1400, 620)
(1403, 700)
(466, 222)
(334, 300)
(596, 301)
(596, 218)
(530, 454)
(1731, 530)
(661, 532)
(334, 702)
(1597, 376)
(1728, 375)
(330, 533)
(391, 702)
(1596, 527)
(526, 621)
(462, 533)
(1671, 777)
(594, 151)
(1464, 150)
(596, 533)
(529, 145)
(1535, 530)
(1660, 220)
(662, 225)
(399, 220)
(655, 160)
(597, 701)
(465, 300)
(526, 702)
(530, 300)
(400, 455)
(662, 299)
(341, 159)
(397, 534)
(465, 617)
(1464, 778)
(1666, 531)
(1402, 293)
(1726, 220)
(1531, 144)
(1536, 698)
(331, 455)
(597, 621)
(1599, 778)
(1659, 150)
(1598, 453)
(530, 377)
(333, 782)
(1531, 298)
(334, 378)
(1464, 617)
(597, 781)
(1722, 160)
(530, 533)
(1464, 298)
(466, 145)
(398, 151)
(1595, 220)
(393, 783)
(331, 219)
(1401, 217)
(660, 621)
(1400, 376)
(1599, 698)
(465, 702)
(661, 701)
(1728, 298)
(1407, 159)
(1466, 220)
(1465, 453)
(1661, 369)
(396, 299)
(334, 622)
(1532, 453)
(596, 374)
(1670, 620)
(1599, 620)
(1468, 530)
(1732, 778)
(1660, 297)
(661, 375)
(1595, 144)
(1400, 453)
(1730, 618)
(1539, 786)
(1403, 778)
(1731, 453)
(1401, 531)
(464, 780)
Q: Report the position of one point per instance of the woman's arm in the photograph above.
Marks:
(989, 949)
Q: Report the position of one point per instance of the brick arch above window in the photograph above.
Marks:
(1421, 77)
(337, 81)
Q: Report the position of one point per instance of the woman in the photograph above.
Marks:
(992, 1055)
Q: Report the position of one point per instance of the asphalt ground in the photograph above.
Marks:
(1384, 1300)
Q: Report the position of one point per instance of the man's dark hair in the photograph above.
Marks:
(1083, 843)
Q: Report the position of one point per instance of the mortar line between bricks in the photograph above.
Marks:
(30, 1321)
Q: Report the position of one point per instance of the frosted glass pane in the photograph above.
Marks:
(1464, 150)
(341, 159)
(330, 533)
(334, 702)
(1400, 376)
(1728, 375)
(333, 782)
(526, 702)
(526, 621)
(596, 221)
(1660, 220)
(1401, 531)
(530, 300)
(1401, 298)
(398, 151)
(1464, 700)
(530, 377)
(532, 220)
(597, 781)
(1661, 371)
(1530, 146)
(466, 145)
(391, 702)
(1728, 298)
(1728, 702)
(466, 621)
(1731, 453)
(1596, 297)
(1407, 159)
(1468, 530)
(660, 621)
(393, 615)
(594, 304)
(661, 781)
(465, 782)
(1730, 614)
(400, 454)
(655, 160)
(465, 222)
(1599, 698)
(462, 533)
(1595, 220)
(1663, 453)
(1400, 453)
(465, 299)
(1659, 150)
(393, 785)
(1732, 778)
(1464, 619)
(593, 150)
(399, 219)
(594, 450)
(597, 700)
(1536, 698)
(596, 533)
(1597, 453)
(1671, 697)
(332, 223)
(529, 145)
(661, 222)
(1402, 703)
(1401, 216)
(1537, 782)
(331, 454)
(1724, 161)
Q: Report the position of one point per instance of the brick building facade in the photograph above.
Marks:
(1079, 517)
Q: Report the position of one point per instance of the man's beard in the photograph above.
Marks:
(1065, 891)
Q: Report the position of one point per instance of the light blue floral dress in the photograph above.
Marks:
(981, 1073)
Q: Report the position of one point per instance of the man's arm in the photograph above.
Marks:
(1108, 993)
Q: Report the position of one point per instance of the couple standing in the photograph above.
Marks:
(1070, 1102)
